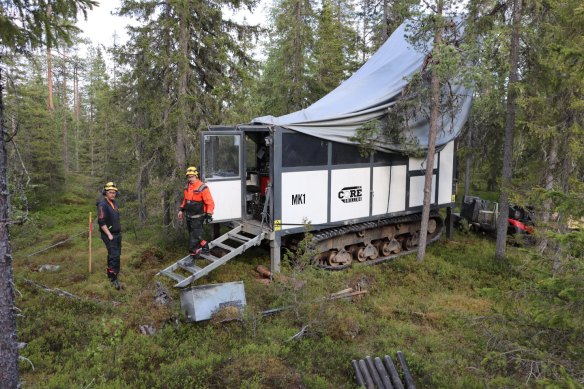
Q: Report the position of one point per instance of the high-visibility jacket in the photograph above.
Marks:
(197, 199)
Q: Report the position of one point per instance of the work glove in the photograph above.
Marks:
(208, 218)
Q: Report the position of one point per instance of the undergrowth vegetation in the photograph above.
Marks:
(462, 319)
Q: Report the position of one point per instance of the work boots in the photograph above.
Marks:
(190, 261)
(205, 249)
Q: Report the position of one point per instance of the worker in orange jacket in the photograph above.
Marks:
(197, 207)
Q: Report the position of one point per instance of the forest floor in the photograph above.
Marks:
(461, 319)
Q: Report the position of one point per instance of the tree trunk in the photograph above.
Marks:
(548, 183)
(366, 10)
(8, 349)
(50, 70)
(296, 98)
(92, 173)
(507, 172)
(142, 183)
(468, 160)
(182, 127)
(385, 30)
(65, 128)
(77, 111)
(434, 112)
(50, 79)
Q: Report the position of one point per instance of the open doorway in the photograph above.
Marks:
(257, 173)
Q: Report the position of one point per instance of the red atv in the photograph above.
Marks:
(481, 215)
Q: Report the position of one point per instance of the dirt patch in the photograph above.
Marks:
(462, 303)
(150, 256)
(272, 372)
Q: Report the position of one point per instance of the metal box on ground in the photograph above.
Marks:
(200, 302)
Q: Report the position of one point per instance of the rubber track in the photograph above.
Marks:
(338, 231)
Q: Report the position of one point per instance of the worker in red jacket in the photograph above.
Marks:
(197, 207)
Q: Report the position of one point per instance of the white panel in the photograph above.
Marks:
(397, 200)
(227, 198)
(446, 174)
(417, 190)
(304, 197)
(420, 163)
(381, 190)
(350, 193)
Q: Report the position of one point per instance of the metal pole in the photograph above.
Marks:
(382, 373)
(358, 375)
(393, 372)
(374, 373)
(366, 374)
(407, 375)
(449, 222)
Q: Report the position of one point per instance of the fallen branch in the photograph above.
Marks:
(300, 333)
(57, 291)
(26, 359)
(348, 290)
(345, 293)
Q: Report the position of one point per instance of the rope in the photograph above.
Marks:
(56, 244)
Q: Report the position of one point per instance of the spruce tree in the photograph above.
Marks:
(335, 47)
(286, 81)
(182, 61)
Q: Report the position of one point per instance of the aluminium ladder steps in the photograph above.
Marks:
(214, 262)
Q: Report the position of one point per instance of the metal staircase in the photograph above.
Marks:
(235, 235)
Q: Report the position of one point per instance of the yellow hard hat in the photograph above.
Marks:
(110, 186)
(192, 171)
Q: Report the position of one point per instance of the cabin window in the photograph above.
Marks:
(348, 154)
(303, 150)
(222, 156)
(389, 158)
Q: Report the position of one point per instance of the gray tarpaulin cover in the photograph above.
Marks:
(368, 94)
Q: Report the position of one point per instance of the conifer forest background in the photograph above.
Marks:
(76, 115)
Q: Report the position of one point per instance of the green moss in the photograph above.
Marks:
(459, 316)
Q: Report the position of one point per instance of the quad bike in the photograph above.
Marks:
(481, 215)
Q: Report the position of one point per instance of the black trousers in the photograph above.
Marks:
(195, 228)
(114, 252)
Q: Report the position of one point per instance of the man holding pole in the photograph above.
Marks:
(108, 218)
